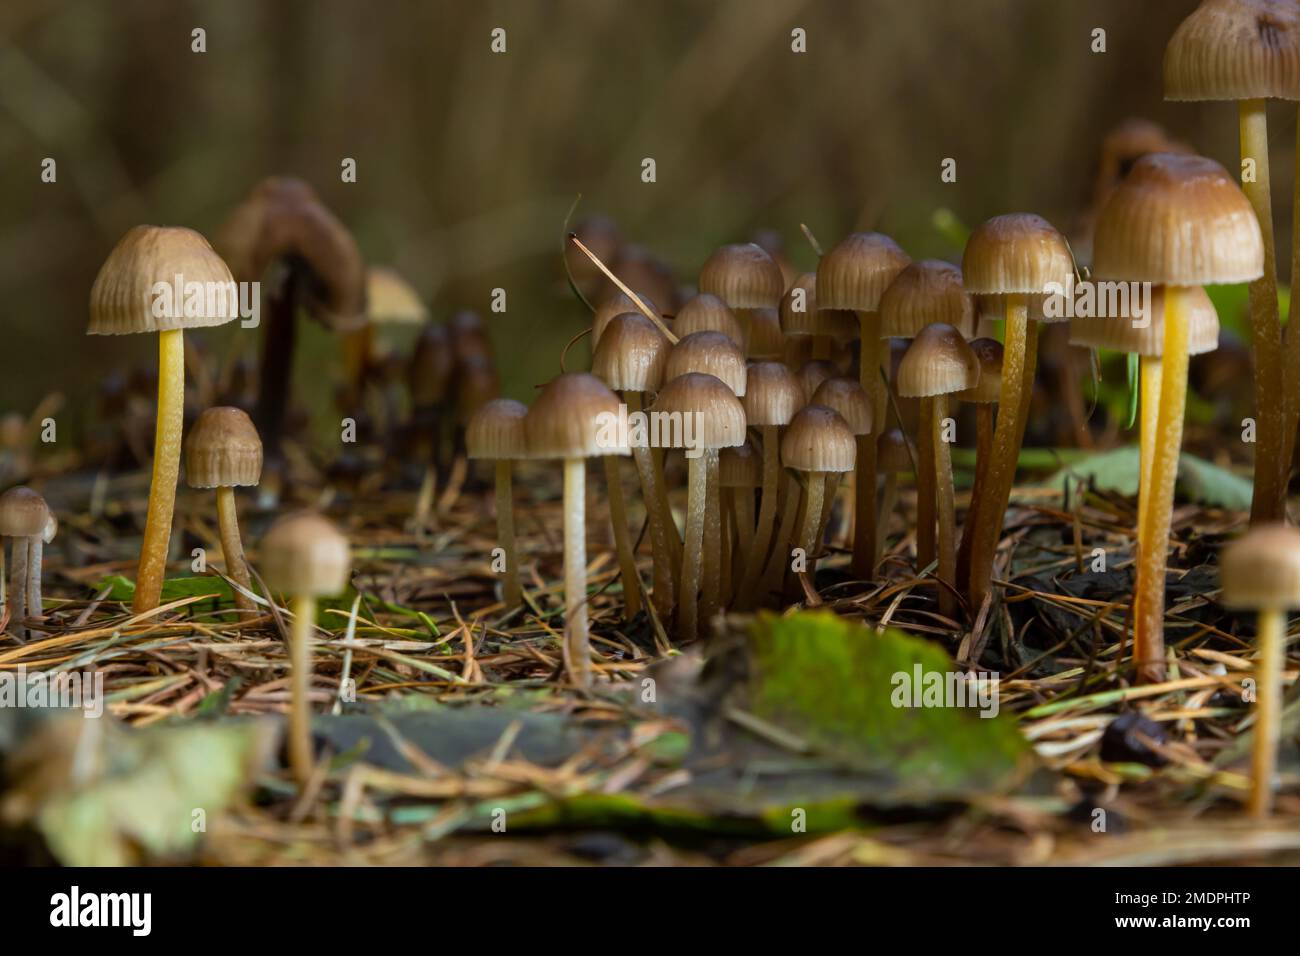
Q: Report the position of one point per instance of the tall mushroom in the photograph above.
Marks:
(224, 452)
(1181, 221)
(573, 419)
(23, 520)
(818, 443)
(137, 290)
(740, 475)
(847, 398)
(893, 455)
(984, 396)
(496, 432)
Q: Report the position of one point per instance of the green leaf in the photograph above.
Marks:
(1132, 366)
(1199, 481)
(173, 589)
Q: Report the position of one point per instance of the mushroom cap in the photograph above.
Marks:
(23, 513)
(926, 292)
(305, 555)
(617, 303)
(798, 311)
(1017, 253)
(1181, 220)
(122, 300)
(600, 234)
(893, 451)
(1235, 50)
(818, 439)
(223, 450)
(811, 375)
(711, 353)
(855, 273)
(645, 274)
(847, 398)
(1117, 332)
(988, 389)
(764, 339)
(496, 430)
(631, 354)
(708, 313)
(574, 416)
(432, 364)
(51, 528)
(718, 416)
(284, 218)
(1261, 569)
(391, 299)
(477, 383)
(744, 276)
(938, 362)
(740, 467)
(772, 394)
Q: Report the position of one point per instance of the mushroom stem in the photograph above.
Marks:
(166, 470)
(424, 500)
(697, 496)
(814, 495)
(35, 551)
(1150, 373)
(1265, 330)
(983, 450)
(728, 520)
(300, 751)
(276, 368)
(888, 501)
(945, 509)
(577, 645)
(774, 576)
(622, 540)
(861, 508)
(1149, 594)
(743, 510)
(832, 483)
(356, 361)
(232, 548)
(1270, 640)
(865, 557)
(766, 517)
(1020, 357)
(926, 500)
(505, 501)
(660, 519)
(712, 539)
(17, 583)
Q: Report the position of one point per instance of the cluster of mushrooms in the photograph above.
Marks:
(784, 388)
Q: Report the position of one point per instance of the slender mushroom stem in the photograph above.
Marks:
(766, 517)
(166, 470)
(1150, 373)
(505, 501)
(728, 520)
(779, 564)
(814, 495)
(874, 353)
(1271, 643)
(622, 540)
(17, 583)
(301, 760)
(1266, 331)
(696, 500)
(661, 546)
(1149, 595)
(577, 644)
(926, 520)
(983, 451)
(743, 509)
(1020, 358)
(424, 500)
(232, 547)
(35, 550)
(945, 509)
(712, 554)
(276, 369)
(888, 501)
(832, 483)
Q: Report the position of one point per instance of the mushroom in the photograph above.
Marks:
(984, 396)
(224, 452)
(1260, 572)
(819, 444)
(853, 276)
(390, 302)
(630, 359)
(740, 475)
(772, 396)
(134, 292)
(429, 378)
(801, 319)
(717, 420)
(764, 340)
(601, 235)
(893, 455)
(937, 364)
(708, 313)
(1180, 221)
(746, 278)
(615, 305)
(1013, 256)
(849, 400)
(24, 518)
(570, 421)
(496, 433)
(305, 557)
(1249, 51)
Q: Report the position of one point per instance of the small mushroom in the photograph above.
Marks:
(818, 443)
(24, 520)
(496, 433)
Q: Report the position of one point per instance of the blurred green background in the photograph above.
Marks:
(469, 160)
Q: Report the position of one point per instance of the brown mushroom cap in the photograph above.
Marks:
(430, 371)
(391, 299)
(223, 450)
(305, 555)
(893, 453)
(719, 418)
(477, 383)
(1235, 50)
(938, 362)
(855, 273)
(772, 394)
(572, 418)
(818, 439)
(711, 353)
(1179, 220)
(926, 292)
(764, 339)
(988, 389)
(645, 274)
(1117, 332)
(496, 431)
(847, 398)
(599, 234)
(798, 310)
(1018, 253)
(123, 300)
(631, 354)
(740, 467)
(811, 375)
(615, 304)
(23, 513)
(744, 276)
(707, 313)
(1261, 569)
